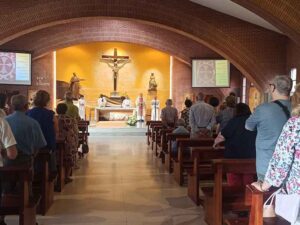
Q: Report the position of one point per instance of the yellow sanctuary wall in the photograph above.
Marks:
(133, 77)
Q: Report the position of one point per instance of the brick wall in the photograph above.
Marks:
(293, 58)
(257, 52)
(42, 78)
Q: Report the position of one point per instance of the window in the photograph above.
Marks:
(244, 90)
(294, 79)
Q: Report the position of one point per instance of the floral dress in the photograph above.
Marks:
(284, 166)
(185, 115)
(69, 131)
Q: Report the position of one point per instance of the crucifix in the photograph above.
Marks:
(116, 63)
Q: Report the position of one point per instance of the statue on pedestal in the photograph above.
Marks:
(75, 86)
(152, 83)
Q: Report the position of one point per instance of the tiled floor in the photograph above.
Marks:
(121, 183)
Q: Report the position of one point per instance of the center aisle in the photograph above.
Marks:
(121, 183)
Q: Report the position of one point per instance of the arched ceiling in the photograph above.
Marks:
(238, 41)
(234, 9)
(91, 30)
(283, 14)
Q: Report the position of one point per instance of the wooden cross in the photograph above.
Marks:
(115, 62)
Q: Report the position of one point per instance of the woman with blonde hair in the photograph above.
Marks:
(284, 166)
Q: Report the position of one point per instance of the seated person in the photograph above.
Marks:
(126, 103)
(181, 129)
(239, 143)
(102, 101)
(169, 115)
(68, 131)
(48, 123)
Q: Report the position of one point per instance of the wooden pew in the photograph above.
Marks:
(222, 198)
(148, 133)
(163, 147)
(202, 169)
(83, 128)
(182, 163)
(19, 203)
(255, 199)
(43, 183)
(168, 156)
(152, 125)
(157, 138)
(60, 148)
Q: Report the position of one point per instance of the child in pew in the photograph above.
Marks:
(68, 131)
(179, 130)
(239, 143)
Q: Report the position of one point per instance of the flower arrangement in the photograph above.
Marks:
(132, 120)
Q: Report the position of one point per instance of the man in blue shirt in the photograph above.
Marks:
(268, 120)
(26, 130)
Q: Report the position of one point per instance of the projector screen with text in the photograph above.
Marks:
(15, 68)
(210, 73)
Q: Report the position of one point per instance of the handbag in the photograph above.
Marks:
(287, 206)
(268, 207)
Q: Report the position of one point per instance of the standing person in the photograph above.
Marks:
(284, 166)
(72, 109)
(169, 115)
(27, 131)
(185, 114)
(81, 102)
(155, 109)
(140, 108)
(239, 143)
(268, 120)
(3, 99)
(225, 115)
(67, 131)
(202, 118)
(48, 123)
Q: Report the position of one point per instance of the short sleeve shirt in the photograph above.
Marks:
(7, 138)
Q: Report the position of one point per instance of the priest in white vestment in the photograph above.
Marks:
(155, 109)
(140, 108)
(81, 108)
(102, 101)
(126, 103)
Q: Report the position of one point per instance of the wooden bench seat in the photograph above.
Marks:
(183, 162)
(222, 198)
(201, 169)
(255, 199)
(149, 125)
(168, 156)
(19, 203)
(43, 183)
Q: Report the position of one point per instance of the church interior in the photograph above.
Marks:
(115, 58)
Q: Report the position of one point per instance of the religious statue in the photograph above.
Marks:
(81, 107)
(152, 83)
(126, 103)
(102, 101)
(140, 108)
(75, 86)
(116, 63)
(155, 109)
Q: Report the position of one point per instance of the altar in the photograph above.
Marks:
(113, 113)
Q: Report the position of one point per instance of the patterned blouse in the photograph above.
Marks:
(284, 166)
(185, 116)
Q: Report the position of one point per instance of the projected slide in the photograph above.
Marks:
(15, 68)
(211, 73)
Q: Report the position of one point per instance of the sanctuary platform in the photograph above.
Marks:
(117, 128)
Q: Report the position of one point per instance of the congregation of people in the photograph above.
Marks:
(270, 134)
(24, 132)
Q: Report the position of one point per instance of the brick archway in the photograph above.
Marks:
(240, 42)
(283, 14)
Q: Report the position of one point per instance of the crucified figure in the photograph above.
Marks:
(116, 63)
